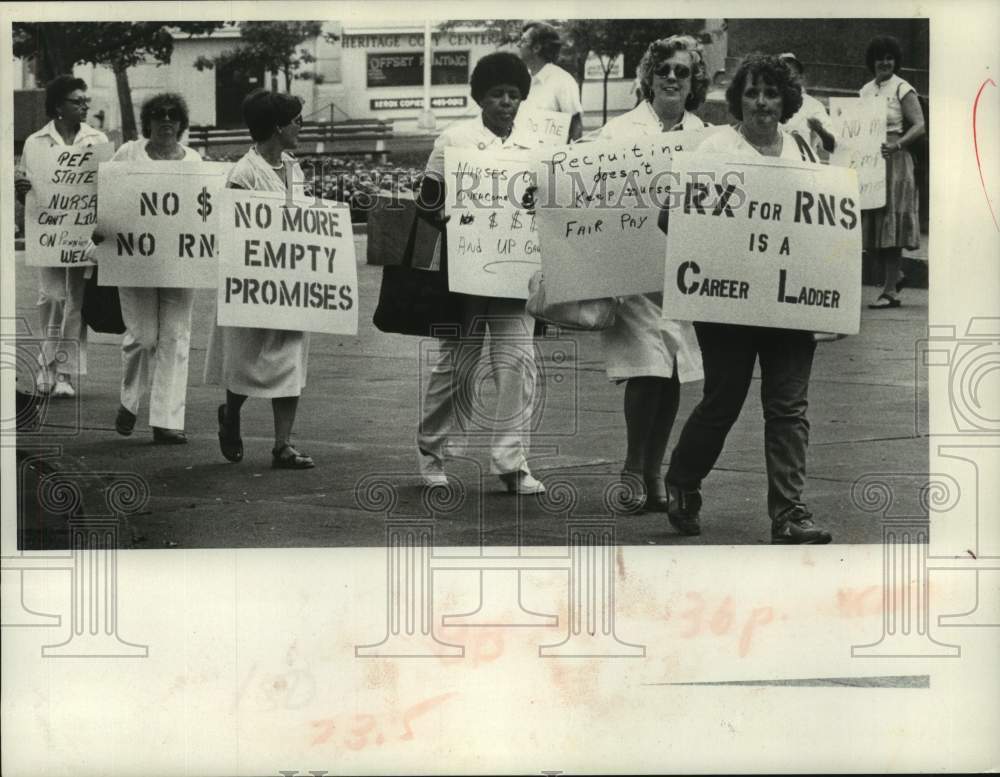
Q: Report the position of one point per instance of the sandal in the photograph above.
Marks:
(230, 442)
(286, 457)
(885, 301)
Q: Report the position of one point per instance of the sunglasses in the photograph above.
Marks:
(297, 120)
(79, 102)
(681, 71)
(167, 114)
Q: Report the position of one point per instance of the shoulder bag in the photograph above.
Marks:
(588, 315)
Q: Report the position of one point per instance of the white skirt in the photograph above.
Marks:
(264, 363)
(641, 344)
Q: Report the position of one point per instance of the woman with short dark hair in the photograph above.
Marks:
(258, 362)
(157, 320)
(60, 289)
(500, 81)
(886, 231)
(763, 93)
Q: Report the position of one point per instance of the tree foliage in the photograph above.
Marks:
(272, 47)
(607, 38)
(57, 46)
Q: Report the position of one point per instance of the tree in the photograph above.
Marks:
(57, 46)
(269, 46)
(608, 38)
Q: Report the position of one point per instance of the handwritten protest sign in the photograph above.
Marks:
(286, 264)
(859, 128)
(160, 222)
(492, 240)
(60, 211)
(597, 209)
(764, 242)
(538, 127)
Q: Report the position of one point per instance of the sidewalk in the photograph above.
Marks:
(358, 418)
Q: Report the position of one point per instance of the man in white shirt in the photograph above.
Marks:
(552, 88)
(811, 121)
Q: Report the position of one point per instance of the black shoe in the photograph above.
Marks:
(286, 457)
(230, 442)
(683, 508)
(798, 529)
(169, 436)
(124, 421)
(632, 496)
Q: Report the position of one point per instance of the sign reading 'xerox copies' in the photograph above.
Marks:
(764, 242)
(287, 263)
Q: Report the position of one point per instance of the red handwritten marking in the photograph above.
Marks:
(722, 620)
(852, 603)
(328, 725)
(419, 709)
(365, 725)
(483, 646)
(761, 616)
(975, 141)
(360, 728)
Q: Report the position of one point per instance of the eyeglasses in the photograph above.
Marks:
(664, 70)
(297, 121)
(79, 102)
(166, 114)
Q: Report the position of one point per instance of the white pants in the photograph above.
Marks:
(461, 373)
(60, 308)
(155, 351)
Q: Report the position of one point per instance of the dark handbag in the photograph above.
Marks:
(102, 307)
(415, 301)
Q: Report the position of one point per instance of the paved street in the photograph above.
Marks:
(358, 417)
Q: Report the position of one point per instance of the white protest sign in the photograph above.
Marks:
(286, 263)
(597, 206)
(764, 242)
(60, 211)
(492, 240)
(537, 127)
(859, 129)
(160, 222)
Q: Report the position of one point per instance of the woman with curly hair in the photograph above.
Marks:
(158, 320)
(886, 231)
(763, 93)
(651, 356)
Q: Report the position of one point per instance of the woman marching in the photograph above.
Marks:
(158, 320)
(266, 363)
(654, 357)
(763, 93)
(60, 289)
(886, 231)
(499, 83)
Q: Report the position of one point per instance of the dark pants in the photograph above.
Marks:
(729, 353)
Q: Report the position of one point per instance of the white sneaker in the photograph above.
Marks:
(431, 470)
(43, 381)
(435, 480)
(63, 388)
(522, 483)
